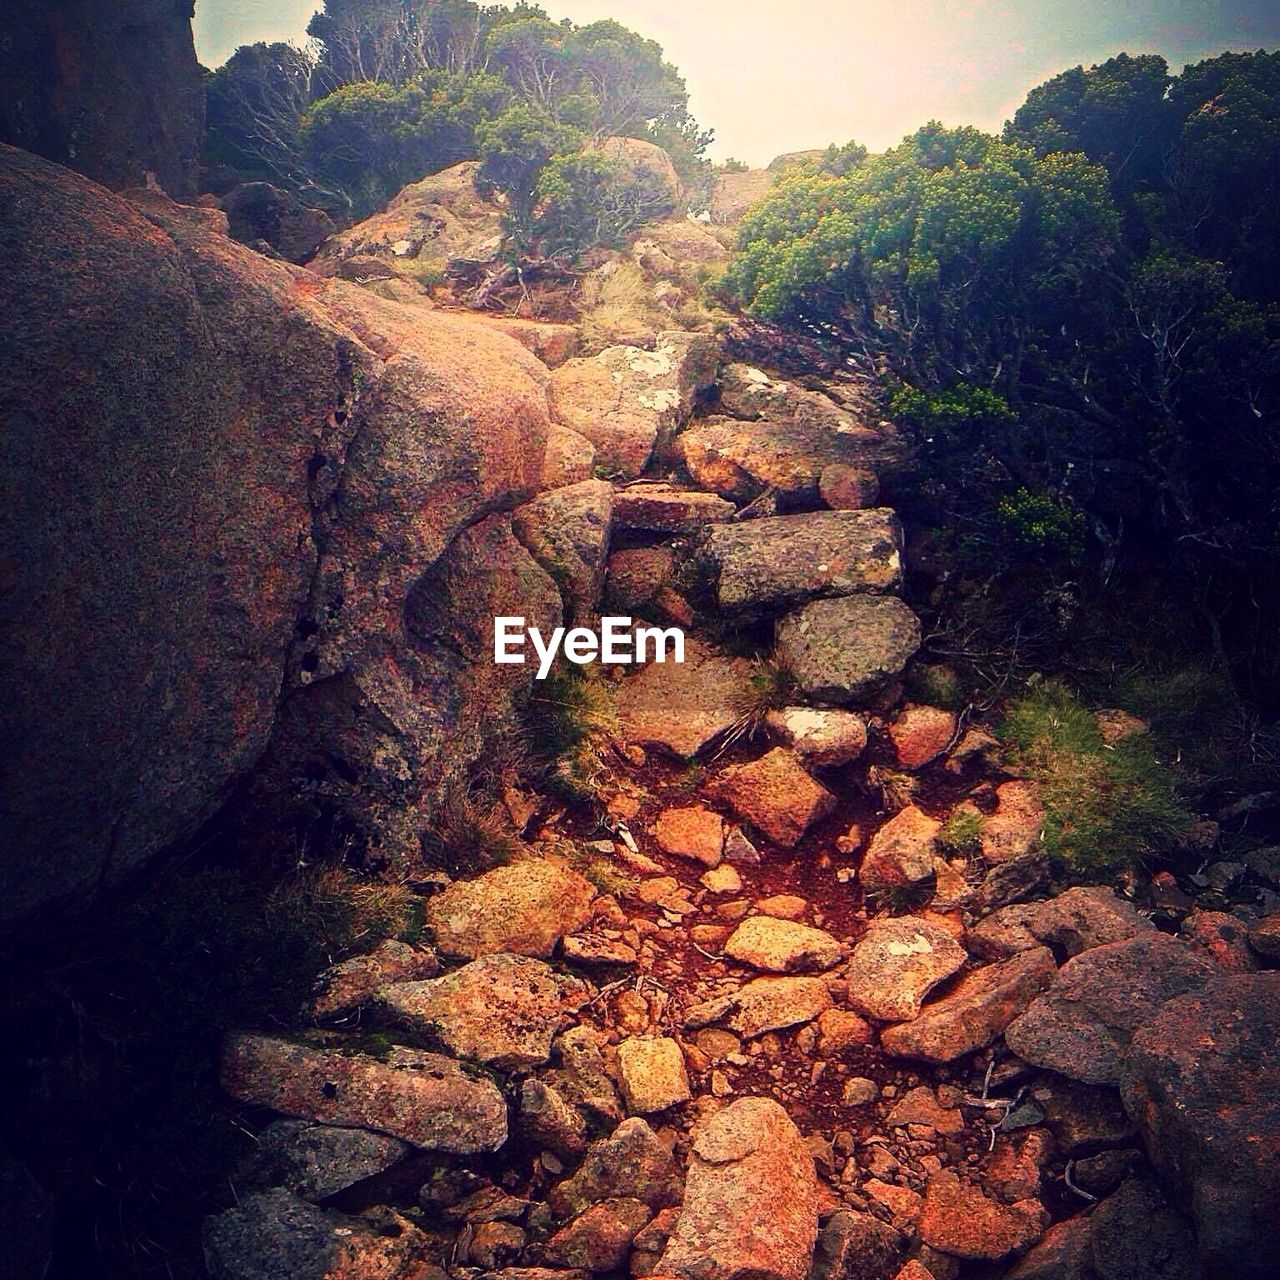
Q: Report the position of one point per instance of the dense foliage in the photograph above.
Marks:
(391, 90)
(1079, 322)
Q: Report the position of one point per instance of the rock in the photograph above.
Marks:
(1083, 1024)
(635, 576)
(599, 1238)
(343, 988)
(751, 1199)
(1062, 1253)
(859, 1091)
(502, 1010)
(1004, 932)
(677, 244)
(632, 1164)
(763, 567)
(596, 949)
(547, 1120)
(773, 1004)
(821, 738)
(897, 963)
(1013, 830)
(845, 650)
(525, 908)
(567, 532)
(625, 398)
(275, 1234)
(737, 848)
(1223, 937)
(723, 879)
(683, 709)
(920, 1106)
(258, 212)
(958, 1219)
(1264, 937)
(652, 1074)
(429, 1101)
(855, 1246)
(838, 1030)
(1083, 1118)
(427, 225)
(27, 1212)
(782, 946)
(111, 90)
(973, 1012)
(921, 734)
(691, 832)
(491, 1244)
(662, 508)
(1025, 876)
(846, 488)
(553, 344)
(1202, 1082)
(569, 458)
(1136, 1234)
(1117, 726)
(317, 1161)
(903, 1203)
(901, 854)
(776, 795)
(640, 155)
(1086, 917)
(736, 192)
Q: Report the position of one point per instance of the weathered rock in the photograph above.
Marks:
(525, 908)
(776, 795)
(317, 1161)
(1136, 1234)
(1062, 1253)
(844, 650)
(567, 532)
(1025, 876)
(546, 1119)
(427, 225)
(652, 1074)
(1085, 917)
(839, 1029)
(675, 245)
(636, 575)
(751, 1199)
(258, 212)
(822, 738)
(693, 831)
(1004, 932)
(897, 963)
(958, 1219)
(854, 1246)
(773, 1004)
(111, 90)
(343, 988)
(764, 567)
(502, 1010)
(427, 1100)
(1202, 1081)
(736, 192)
(921, 734)
(1083, 1118)
(683, 708)
(846, 488)
(1223, 937)
(599, 1238)
(275, 1234)
(625, 398)
(1014, 829)
(569, 458)
(901, 854)
(553, 344)
(783, 946)
(975, 1011)
(632, 1164)
(1264, 937)
(662, 508)
(1083, 1024)
(920, 1106)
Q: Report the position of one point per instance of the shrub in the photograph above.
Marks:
(471, 833)
(961, 834)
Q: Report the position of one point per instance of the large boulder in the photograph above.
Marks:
(110, 88)
(751, 1199)
(624, 399)
(847, 649)
(1202, 1082)
(259, 213)
(567, 532)
(764, 567)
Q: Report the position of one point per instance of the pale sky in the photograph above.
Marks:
(786, 75)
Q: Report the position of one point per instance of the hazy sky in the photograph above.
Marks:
(786, 75)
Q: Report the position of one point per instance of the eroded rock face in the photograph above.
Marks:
(110, 89)
(425, 1099)
(1202, 1082)
(316, 1161)
(567, 532)
(751, 1199)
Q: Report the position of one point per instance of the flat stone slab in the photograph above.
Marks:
(819, 737)
(428, 1100)
(762, 567)
(844, 650)
(653, 1074)
(662, 508)
(897, 963)
(683, 708)
(773, 1004)
(783, 946)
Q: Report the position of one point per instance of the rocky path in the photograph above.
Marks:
(754, 1011)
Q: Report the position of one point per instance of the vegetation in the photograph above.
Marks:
(470, 833)
(570, 720)
(1108, 807)
(961, 834)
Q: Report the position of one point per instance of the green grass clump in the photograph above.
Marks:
(961, 834)
(571, 720)
(1107, 808)
(470, 833)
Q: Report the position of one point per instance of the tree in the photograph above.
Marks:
(630, 85)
